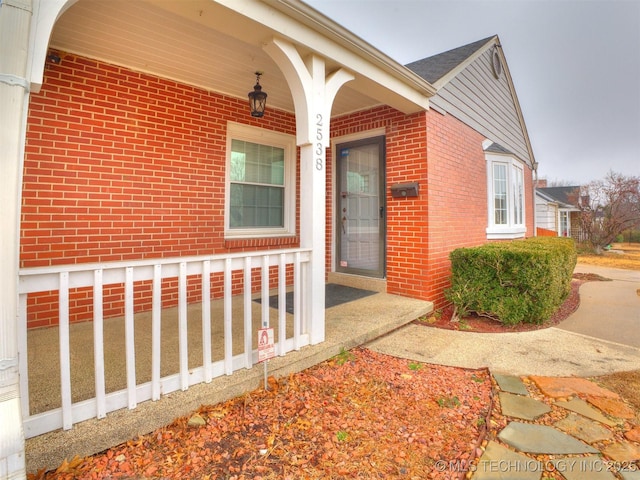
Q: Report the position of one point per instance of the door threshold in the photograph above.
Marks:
(358, 281)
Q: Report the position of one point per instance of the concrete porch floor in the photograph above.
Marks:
(347, 325)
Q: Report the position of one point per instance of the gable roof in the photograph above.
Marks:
(561, 194)
(434, 68)
(473, 84)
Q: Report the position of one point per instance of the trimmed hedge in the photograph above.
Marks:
(513, 282)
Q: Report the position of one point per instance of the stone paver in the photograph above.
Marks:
(558, 387)
(583, 428)
(511, 384)
(611, 406)
(572, 435)
(622, 452)
(498, 462)
(583, 408)
(528, 438)
(583, 468)
(525, 408)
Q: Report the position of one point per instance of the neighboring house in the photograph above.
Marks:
(557, 210)
(144, 182)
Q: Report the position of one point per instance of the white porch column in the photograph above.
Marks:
(15, 23)
(313, 94)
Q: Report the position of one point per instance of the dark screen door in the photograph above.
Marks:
(360, 207)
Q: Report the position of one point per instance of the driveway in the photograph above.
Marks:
(608, 310)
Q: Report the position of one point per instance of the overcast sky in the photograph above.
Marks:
(575, 65)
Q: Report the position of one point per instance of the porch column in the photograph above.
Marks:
(313, 94)
(15, 22)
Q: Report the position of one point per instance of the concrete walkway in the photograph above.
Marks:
(601, 337)
(608, 310)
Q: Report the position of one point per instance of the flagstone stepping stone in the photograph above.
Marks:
(583, 468)
(557, 387)
(525, 408)
(583, 428)
(529, 438)
(615, 408)
(511, 384)
(633, 435)
(498, 462)
(583, 408)
(622, 452)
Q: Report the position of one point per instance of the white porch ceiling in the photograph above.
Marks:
(197, 42)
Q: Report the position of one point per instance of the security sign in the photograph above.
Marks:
(266, 345)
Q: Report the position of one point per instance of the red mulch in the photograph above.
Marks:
(475, 323)
(360, 415)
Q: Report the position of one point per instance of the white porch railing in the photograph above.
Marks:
(64, 279)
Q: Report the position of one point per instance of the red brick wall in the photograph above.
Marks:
(406, 161)
(458, 207)
(457, 194)
(124, 165)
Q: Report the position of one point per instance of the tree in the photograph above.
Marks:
(608, 207)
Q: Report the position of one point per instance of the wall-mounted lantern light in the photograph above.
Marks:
(257, 98)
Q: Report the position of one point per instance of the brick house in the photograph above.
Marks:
(144, 182)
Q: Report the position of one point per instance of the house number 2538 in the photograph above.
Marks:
(319, 150)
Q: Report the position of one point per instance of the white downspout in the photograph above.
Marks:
(15, 24)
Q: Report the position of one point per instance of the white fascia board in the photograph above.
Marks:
(300, 24)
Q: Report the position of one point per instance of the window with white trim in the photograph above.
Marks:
(505, 176)
(261, 191)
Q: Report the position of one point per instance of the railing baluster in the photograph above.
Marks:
(182, 321)
(129, 332)
(248, 316)
(156, 329)
(65, 361)
(297, 303)
(282, 305)
(228, 319)
(98, 344)
(265, 291)
(206, 320)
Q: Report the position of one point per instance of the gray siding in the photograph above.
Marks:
(476, 98)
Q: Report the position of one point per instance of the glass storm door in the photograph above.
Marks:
(360, 211)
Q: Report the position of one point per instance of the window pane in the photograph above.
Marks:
(518, 195)
(256, 206)
(254, 163)
(500, 194)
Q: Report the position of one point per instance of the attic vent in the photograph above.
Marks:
(495, 63)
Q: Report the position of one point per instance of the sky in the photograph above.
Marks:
(575, 65)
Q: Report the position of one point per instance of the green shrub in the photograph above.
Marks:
(513, 282)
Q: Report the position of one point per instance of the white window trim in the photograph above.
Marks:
(511, 230)
(238, 131)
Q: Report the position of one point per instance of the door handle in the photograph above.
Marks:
(382, 212)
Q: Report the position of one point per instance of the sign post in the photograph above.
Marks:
(266, 349)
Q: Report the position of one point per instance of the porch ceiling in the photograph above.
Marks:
(197, 42)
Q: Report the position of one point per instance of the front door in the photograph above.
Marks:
(360, 207)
